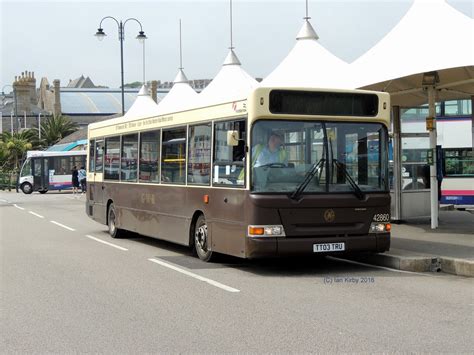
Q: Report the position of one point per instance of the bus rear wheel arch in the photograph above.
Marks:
(114, 231)
(201, 240)
(27, 188)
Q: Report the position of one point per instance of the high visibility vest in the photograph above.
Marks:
(257, 152)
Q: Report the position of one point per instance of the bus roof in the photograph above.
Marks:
(257, 104)
(43, 153)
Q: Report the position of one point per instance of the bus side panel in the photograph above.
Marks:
(154, 211)
(95, 208)
(224, 215)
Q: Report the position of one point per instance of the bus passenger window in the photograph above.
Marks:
(229, 160)
(112, 158)
(173, 160)
(199, 154)
(149, 156)
(99, 156)
(129, 158)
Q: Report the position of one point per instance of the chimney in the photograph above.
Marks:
(154, 86)
(57, 98)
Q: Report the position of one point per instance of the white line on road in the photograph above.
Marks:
(104, 242)
(1, 199)
(377, 266)
(35, 214)
(20, 208)
(62, 225)
(200, 278)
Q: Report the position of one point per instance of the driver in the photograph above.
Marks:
(271, 153)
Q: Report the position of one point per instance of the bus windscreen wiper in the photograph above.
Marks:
(308, 177)
(357, 191)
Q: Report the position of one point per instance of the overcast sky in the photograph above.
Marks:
(56, 40)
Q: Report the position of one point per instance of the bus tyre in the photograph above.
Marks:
(112, 223)
(43, 191)
(26, 188)
(201, 240)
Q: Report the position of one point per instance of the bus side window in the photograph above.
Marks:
(173, 156)
(199, 154)
(228, 165)
(99, 156)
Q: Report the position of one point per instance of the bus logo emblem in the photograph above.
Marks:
(329, 215)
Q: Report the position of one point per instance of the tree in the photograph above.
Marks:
(13, 147)
(134, 85)
(55, 128)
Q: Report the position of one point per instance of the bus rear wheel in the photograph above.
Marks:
(43, 191)
(201, 240)
(27, 188)
(112, 223)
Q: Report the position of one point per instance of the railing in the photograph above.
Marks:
(8, 180)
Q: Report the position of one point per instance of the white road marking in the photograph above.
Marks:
(35, 214)
(1, 199)
(200, 278)
(104, 242)
(378, 267)
(20, 208)
(62, 225)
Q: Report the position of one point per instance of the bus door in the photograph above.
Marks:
(40, 174)
(97, 192)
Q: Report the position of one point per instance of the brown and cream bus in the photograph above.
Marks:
(286, 171)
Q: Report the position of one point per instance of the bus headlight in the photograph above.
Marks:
(376, 227)
(266, 231)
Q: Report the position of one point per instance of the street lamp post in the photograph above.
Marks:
(100, 34)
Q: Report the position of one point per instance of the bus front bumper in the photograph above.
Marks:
(287, 246)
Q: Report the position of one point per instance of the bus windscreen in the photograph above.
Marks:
(323, 103)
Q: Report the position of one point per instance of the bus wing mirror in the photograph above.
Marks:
(232, 138)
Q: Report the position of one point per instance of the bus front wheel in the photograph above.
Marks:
(112, 223)
(43, 191)
(27, 188)
(201, 240)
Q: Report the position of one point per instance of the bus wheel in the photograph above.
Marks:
(201, 239)
(26, 188)
(43, 191)
(111, 223)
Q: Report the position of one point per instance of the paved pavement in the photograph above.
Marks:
(68, 287)
(417, 247)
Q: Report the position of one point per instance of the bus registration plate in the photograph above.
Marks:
(328, 247)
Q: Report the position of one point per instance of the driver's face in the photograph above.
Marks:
(274, 143)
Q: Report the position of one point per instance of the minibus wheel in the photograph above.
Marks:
(201, 239)
(27, 188)
(112, 223)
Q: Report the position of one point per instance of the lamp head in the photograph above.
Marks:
(100, 34)
(141, 37)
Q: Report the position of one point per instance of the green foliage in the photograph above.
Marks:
(55, 128)
(134, 85)
(13, 148)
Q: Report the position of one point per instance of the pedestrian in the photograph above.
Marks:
(75, 180)
(82, 178)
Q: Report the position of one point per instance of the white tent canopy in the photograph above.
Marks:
(181, 95)
(431, 36)
(143, 106)
(309, 64)
(230, 84)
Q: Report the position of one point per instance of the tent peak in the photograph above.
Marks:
(180, 77)
(231, 58)
(307, 31)
(144, 91)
